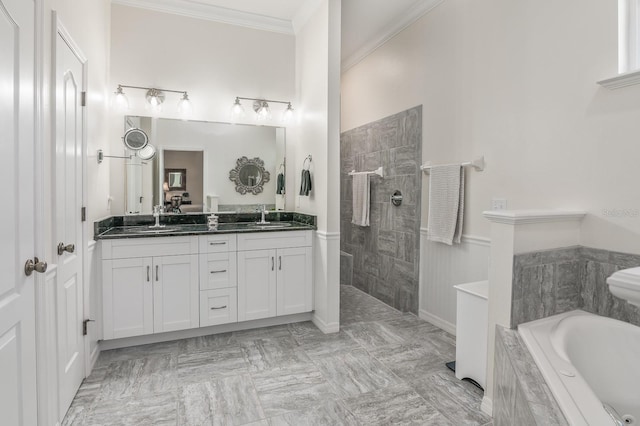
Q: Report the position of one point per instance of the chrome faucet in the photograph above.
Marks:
(264, 212)
(157, 212)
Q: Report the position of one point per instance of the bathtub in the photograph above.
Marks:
(592, 365)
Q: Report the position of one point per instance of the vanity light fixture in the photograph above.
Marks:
(155, 98)
(121, 102)
(261, 108)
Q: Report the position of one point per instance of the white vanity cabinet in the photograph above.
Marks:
(218, 279)
(274, 274)
(150, 285)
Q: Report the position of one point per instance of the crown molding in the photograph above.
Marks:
(195, 9)
(411, 15)
(523, 217)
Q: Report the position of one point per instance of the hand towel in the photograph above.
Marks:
(305, 184)
(361, 194)
(446, 204)
(280, 184)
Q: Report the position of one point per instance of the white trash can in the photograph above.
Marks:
(472, 319)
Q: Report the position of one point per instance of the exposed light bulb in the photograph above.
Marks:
(237, 110)
(184, 105)
(155, 98)
(263, 113)
(287, 115)
(120, 101)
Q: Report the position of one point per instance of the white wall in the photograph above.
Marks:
(214, 62)
(317, 134)
(516, 82)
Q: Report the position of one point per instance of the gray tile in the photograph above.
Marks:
(157, 409)
(266, 354)
(136, 352)
(203, 366)
(227, 400)
(371, 335)
(291, 389)
(412, 360)
(139, 377)
(203, 343)
(323, 345)
(263, 333)
(457, 400)
(355, 373)
(326, 413)
(394, 405)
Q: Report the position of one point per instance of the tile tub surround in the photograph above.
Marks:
(383, 367)
(199, 219)
(551, 282)
(386, 254)
(521, 396)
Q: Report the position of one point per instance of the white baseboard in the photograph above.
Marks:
(203, 331)
(324, 327)
(438, 322)
(487, 406)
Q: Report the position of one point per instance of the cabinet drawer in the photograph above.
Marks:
(218, 270)
(274, 240)
(217, 243)
(218, 307)
(149, 247)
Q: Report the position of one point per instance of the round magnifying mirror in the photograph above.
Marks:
(147, 153)
(135, 139)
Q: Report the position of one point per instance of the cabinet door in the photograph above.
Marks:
(295, 282)
(256, 284)
(218, 307)
(128, 297)
(175, 293)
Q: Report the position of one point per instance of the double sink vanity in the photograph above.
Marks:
(185, 276)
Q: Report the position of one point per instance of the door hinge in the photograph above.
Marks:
(83, 99)
(85, 324)
(83, 214)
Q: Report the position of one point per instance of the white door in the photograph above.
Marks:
(295, 288)
(175, 293)
(128, 297)
(69, 151)
(17, 314)
(256, 284)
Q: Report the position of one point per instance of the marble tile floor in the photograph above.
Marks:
(383, 368)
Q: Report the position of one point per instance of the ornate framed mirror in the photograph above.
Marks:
(249, 175)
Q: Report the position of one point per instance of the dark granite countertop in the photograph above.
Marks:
(196, 224)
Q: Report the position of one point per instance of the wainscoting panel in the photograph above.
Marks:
(444, 266)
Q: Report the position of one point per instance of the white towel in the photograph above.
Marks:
(361, 205)
(446, 204)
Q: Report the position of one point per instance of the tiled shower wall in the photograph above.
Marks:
(386, 254)
(551, 282)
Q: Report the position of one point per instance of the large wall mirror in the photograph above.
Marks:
(190, 173)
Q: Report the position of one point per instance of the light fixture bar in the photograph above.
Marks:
(262, 100)
(151, 88)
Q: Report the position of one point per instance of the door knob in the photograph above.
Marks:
(34, 265)
(69, 248)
